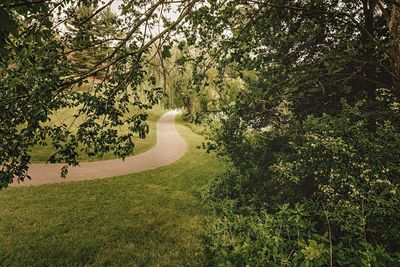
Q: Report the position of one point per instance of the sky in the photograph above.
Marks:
(114, 6)
(171, 15)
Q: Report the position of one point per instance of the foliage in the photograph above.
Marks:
(311, 53)
(305, 96)
(92, 37)
(340, 162)
(38, 41)
(343, 177)
(41, 153)
(173, 72)
(286, 238)
(314, 125)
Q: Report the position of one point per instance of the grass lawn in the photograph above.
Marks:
(42, 153)
(152, 218)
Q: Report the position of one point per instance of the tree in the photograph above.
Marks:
(38, 77)
(92, 38)
(312, 133)
(173, 70)
(312, 48)
(393, 18)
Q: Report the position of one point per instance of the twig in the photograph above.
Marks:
(330, 236)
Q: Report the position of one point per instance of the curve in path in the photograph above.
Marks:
(169, 148)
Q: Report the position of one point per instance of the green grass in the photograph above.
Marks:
(152, 218)
(42, 153)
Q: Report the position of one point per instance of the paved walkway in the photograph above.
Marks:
(169, 148)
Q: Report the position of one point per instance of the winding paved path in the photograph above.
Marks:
(170, 147)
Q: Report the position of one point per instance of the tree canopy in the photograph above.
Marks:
(312, 132)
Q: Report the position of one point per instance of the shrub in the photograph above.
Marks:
(289, 237)
(338, 173)
(353, 171)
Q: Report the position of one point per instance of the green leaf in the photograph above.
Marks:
(166, 53)
(7, 24)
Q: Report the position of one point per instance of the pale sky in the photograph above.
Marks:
(114, 6)
(170, 15)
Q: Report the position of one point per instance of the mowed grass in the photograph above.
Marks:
(41, 153)
(152, 218)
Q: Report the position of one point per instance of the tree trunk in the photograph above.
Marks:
(164, 74)
(188, 104)
(394, 30)
(369, 70)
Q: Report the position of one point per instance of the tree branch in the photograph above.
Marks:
(97, 12)
(184, 13)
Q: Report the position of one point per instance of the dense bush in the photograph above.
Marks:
(288, 237)
(324, 187)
